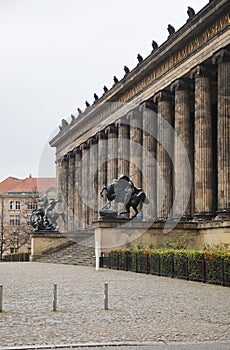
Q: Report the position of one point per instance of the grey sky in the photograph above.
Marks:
(54, 54)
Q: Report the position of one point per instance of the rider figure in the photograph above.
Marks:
(129, 189)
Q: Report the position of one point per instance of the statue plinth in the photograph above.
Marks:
(106, 214)
(44, 241)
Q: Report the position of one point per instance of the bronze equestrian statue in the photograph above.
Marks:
(44, 218)
(123, 190)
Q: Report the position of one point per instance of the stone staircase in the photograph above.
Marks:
(79, 250)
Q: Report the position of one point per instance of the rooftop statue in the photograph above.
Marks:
(123, 190)
(154, 45)
(126, 69)
(140, 58)
(191, 13)
(44, 218)
(115, 80)
(171, 29)
(95, 97)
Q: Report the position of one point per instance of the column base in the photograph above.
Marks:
(203, 216)
(222, 214)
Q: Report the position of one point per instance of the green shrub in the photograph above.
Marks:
(197, 265)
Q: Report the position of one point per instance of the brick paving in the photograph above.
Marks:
(142, 308)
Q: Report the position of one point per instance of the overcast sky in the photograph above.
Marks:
(55, 54)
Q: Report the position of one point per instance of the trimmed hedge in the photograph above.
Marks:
(210, 266)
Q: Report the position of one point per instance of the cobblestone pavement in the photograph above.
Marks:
(142, 308)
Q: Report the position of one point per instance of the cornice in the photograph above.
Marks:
(82, 125)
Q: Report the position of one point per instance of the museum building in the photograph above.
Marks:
(166, 124)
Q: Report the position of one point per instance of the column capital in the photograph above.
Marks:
(111, 129)
(58, 161)
(201, 70)
(64, 159)
(77, 150)
(70, 155)
(162, 96)
(222, 55)
(134, 113)
(147, 104)
(101, 135)
(179, 84)
(121, 121)
(92, 141)
(84, 146)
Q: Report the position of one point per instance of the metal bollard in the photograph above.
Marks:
(1, 298)
(106, 297)
(55, 298)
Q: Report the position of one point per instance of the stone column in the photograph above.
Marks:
(59, 186)
(102, 165)
(149, 170)
(93, 178)
(135, 166)
(77, 189)
(203, 150)
(111, 131)
(84, 183)
(222, 58)
(182, 155)
(123, 146)
(59, 172)
(164, 161)
(71, 180)
(64, 187)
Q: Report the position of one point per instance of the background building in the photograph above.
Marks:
(18, 198)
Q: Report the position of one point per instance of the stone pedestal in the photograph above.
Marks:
(112, 235)
(44, 241)
(117, 234)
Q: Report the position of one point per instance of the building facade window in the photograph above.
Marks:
(14, 220)
(17, 205)
(31, 205)
(11, 205)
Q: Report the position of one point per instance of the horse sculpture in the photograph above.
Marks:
(123, 190)
(51, 215)
(44, 217)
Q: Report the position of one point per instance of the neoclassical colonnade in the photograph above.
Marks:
(197, 107)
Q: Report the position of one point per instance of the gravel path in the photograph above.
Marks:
(142, 308)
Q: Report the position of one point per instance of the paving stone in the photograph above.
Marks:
(142, 308)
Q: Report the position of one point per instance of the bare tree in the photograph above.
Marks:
(16, 234)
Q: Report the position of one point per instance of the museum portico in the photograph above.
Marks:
(166, 124)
